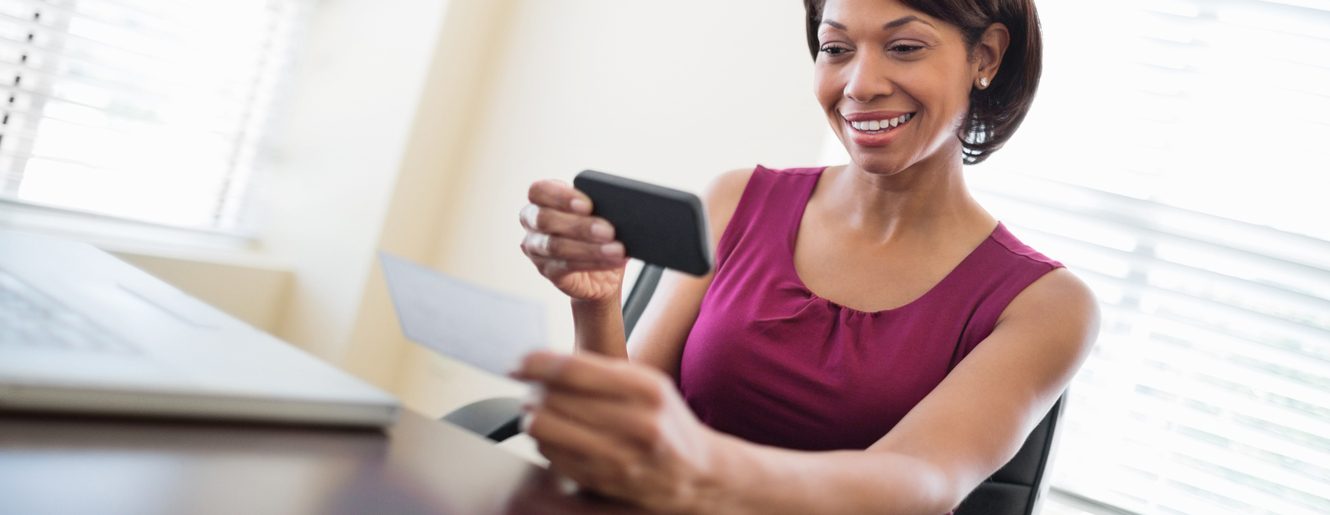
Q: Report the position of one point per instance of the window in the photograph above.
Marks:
(1175, 160)
(146, 110)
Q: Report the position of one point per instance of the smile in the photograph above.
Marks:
(880, 126)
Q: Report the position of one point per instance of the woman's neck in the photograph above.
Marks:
(927, 198)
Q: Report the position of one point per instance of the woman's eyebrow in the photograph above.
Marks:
(890, 25)
(904, 20)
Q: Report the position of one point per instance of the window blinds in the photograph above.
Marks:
(1176, 162)
(140, 109)
(1207, 392)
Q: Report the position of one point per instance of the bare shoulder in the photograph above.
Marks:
(1058, 291)
(726, 189)
(1059, 305)
(722, 198)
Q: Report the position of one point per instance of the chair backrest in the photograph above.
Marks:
(1019, 486)
(640, 295)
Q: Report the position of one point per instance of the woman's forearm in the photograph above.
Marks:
(598, 327)
(755, 479)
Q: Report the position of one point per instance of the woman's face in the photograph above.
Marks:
(894, 83)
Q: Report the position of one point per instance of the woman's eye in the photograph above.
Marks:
(905, 48)
(834, 50)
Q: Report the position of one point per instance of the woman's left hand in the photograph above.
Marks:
(620, 430)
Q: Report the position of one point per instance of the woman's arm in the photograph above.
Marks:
(577, 252)
(967, 428)
(623, 430)
(658, 338)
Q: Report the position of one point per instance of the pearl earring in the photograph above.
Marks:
(983, 82)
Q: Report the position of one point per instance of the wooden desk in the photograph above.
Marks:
(108, 467)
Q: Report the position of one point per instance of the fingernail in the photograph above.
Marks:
(612, 250)
(580, 206)
(535, 395)
(525, 423)
(529, 214)
(602, 231)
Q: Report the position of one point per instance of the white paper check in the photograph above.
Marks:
(488, 330)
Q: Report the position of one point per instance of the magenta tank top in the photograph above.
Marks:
(773, 363)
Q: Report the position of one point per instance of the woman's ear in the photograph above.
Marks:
(988, 53)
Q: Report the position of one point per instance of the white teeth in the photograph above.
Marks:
(874, 125)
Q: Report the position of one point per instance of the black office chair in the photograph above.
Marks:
(1018, 487)
(1015, 489)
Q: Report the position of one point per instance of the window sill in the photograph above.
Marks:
(136, 237)
(228, 271)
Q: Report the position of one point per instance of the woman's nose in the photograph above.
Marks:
(867, 79)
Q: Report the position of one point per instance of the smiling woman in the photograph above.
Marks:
(872, 340)
(995, 112)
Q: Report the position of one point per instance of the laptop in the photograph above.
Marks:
(83, 332)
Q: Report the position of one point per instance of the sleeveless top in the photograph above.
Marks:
(771, 362)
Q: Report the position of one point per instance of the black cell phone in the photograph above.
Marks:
(657, 225)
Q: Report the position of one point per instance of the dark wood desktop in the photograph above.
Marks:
(60, 465)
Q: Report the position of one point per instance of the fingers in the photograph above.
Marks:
(539, 244)
(553, 268)
(591, 458)
(562, 236)
(626, 420)
(594, 375)
(554, 430)
(570, 225)
(559, 195)
(555, 257)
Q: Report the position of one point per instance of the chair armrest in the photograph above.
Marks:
(497, 419)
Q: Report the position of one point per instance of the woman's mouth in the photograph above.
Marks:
(880, 126)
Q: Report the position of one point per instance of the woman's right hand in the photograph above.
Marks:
(574, 250)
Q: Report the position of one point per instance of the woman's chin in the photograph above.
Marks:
(877, 164)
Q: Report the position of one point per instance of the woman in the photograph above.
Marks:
(872, 340)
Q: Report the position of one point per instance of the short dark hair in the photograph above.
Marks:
(995, 112)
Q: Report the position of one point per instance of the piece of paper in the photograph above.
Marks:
(488, 330)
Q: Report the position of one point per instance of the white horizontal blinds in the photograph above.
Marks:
(135, 108)
(1209, 390)
(1178, 154)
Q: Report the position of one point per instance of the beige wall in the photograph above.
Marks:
(337, 145)
(253, 293)
(671, 92)
(474, 105)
